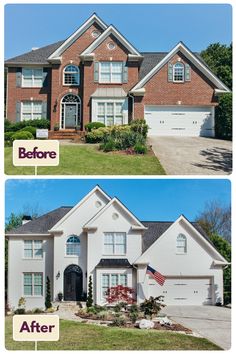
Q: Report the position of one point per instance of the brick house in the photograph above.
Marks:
(98, 75)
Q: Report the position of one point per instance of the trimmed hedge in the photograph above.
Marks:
(22, 136)
(93, 125)
(37, 123)
(30, 129)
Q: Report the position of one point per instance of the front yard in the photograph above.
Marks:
(88, 160)
(79, 336)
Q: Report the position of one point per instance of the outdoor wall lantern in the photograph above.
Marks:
(55, 106)
(58, 275)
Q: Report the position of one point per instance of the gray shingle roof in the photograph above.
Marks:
(42, 224)
(157, 228)
(114, 262)
(149, 61)
(36, 56)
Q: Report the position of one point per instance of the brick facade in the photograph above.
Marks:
(197, 92)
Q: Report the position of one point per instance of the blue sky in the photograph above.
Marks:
(148, 199)
(152, 27)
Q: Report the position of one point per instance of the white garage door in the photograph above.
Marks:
(183, 291)
(178, 120)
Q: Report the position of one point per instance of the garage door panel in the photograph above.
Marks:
(183, 291)
(185, 121)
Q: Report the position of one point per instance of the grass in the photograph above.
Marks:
(88, 160)
(79, 336)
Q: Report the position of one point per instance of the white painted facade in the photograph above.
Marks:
(98, 214)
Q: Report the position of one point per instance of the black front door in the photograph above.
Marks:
(73, 283)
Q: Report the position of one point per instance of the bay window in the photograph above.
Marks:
(112, 280)
(110, 112)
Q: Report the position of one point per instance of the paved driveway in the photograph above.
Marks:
(211, 322)
(193, 155)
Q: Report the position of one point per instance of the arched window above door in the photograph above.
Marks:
(71, 75)
(73, 246)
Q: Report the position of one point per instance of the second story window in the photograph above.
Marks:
(181, 244)
(111, 72)
(73, 246)
(33, 249)
(178, 72)
(71, 75)
(115, 243)
(32, 77)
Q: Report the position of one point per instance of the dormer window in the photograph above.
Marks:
(178, 72)
(181, 244)
(73, 246)
(71, 75)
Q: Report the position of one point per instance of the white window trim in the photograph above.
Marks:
(32, 296)
(105, 101)
(109, 286)
(78, 110)
(110, 72)
(33, 257)
(71, 255)
(177, 249)
(78, 73)
(114, 244)
(32, 112)
(181, 81)
(32, 77)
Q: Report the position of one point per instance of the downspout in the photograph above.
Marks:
(132, 98)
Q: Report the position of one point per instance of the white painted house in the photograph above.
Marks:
(100, 237)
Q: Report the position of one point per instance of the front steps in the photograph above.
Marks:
(68, 134)
(69, 306)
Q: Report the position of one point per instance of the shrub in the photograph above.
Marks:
(93, 125)
(37, 123)
(92, 309)
(140, 148)
(37, 310)
(152, 306)
(139, 126)
(48, 303)
(89, 302)
(19, 311)
(134, 308)
(95, 136)
(109, 145)
(22, 136)
(21, 302)
(223, 120)
(30, 129)
(120, 293)
(118, 321)
(133, 316)
(8, 136)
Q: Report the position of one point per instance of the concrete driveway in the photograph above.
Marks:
(211, 322)
(193, 155)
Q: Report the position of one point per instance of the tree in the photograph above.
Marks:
(224, 249)
(219, 58)
(48, 303)
(223, 119)
(120, 293)
(89, 302)
(216, 219)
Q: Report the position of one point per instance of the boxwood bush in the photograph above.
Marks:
(93, 125)
(22, 136)
(30, 129)
(37, 123)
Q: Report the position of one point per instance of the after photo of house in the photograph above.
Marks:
(114, 257)
(122, 99)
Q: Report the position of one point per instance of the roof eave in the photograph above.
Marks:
(29, 235)
(15, 64)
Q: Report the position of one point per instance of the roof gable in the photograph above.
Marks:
(93, 19)
(111, 30)
(137, 225)
(168, 226)
(190, 56)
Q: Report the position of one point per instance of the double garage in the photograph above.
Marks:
(180, 120)
(184, 291)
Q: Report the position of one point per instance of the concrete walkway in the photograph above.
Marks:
(193, 155)
(211, 322)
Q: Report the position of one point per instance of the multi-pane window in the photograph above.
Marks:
(32, 77)
(111, 280)
(33, 249)
(114, 243)
(33, 284)
(31, 110)
(111, 72)
(73, 246)
(181, 244)
(71, 75)
(110, 113)
(178, 72)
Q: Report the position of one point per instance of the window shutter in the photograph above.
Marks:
(44, 109)
(187, 72)
(18, 77)
(18, 111)
(45, 77)
(125, 73)
(170, 72)
(96, 71)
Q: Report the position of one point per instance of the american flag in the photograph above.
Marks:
(160, 279)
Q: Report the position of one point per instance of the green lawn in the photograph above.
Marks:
(78, 336)
(88, 160)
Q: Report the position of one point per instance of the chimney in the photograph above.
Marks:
(25, 219)
(34, 48)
